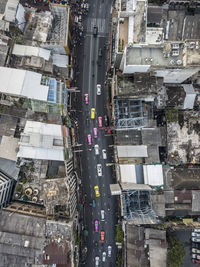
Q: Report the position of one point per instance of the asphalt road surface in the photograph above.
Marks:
(92, 71)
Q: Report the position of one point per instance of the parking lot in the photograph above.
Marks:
(185, 237)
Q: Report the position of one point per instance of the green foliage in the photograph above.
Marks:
(119, 261)
(172, 115)
(119, 234)
(19, 188)
(176, 251)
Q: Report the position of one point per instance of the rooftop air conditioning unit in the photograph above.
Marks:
(175, 53)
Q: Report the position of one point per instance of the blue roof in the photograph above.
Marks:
(52, 90)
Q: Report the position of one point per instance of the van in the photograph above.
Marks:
(100, 52)
(95, 31)
(102, 215)
(96, 149)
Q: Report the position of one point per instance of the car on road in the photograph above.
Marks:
(95, 30)
(109, 251)
(104, 154)
(195, 256)
(95, 132)
(97, 261)
(96, 190)
(96, 226)
(108, 207)
(93, 203)
(106, 122)
(96, 244)
(197, 230)
(92, 113)
(195, 261)
(195, 250)
(195, 239)
(196, 245)
(102, 236)
(104, 256)
(96, 149)
(100, 121)
(100, 52)
(195, 234)
(89, 138)
(102, 215)
(86, 99)
(98, 89)
(99, 169)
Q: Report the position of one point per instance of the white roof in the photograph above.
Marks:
(176, 75)
(153, 174)
(60, 60)
(128, 173)
(26, 50)
(190, 96)
(10, 11)
(41, 141)
(22, 83)
(132, 151)
(43, 128)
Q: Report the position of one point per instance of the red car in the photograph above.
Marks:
(102, 236)
(86, 98)
(195, 261)
(96, 225)
(100, 121)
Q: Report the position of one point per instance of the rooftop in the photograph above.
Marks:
(132, 151)
(156, 239)
(41, 141)
(153, 55)
(183, 135)
(17, 82)
(135, 251)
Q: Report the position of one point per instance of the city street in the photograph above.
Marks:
(91, 57)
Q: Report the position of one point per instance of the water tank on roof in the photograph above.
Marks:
(179, 62)
(172, 62)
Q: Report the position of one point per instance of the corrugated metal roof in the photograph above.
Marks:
(26, 50)
(41, 141)
(153, 175)
(128, 173)
(60, 60)
(132, 151)
(22, 82)
(10, 11)
(176, 75)
(190, 96)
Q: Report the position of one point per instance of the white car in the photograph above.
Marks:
(109, 251)
(99, 169)
(195, 250)
(98, 89)
(195, 234)
(104, 256)
(195, 239)
(104, 154)
(96, 149)
(197, 230)
(97, 261)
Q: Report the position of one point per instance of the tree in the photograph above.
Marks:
(176, 251)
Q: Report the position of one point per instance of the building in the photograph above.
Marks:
(42, 93)
(33, 240)
(13, 12)
(6, 188)
(41, 141)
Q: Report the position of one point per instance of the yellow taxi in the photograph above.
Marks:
(96, 190)
(92, 113)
